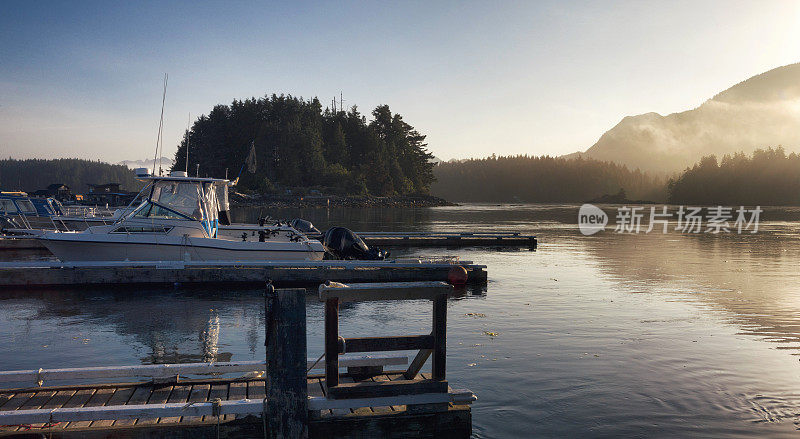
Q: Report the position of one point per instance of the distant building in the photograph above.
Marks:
(107, 194)
(58, 191)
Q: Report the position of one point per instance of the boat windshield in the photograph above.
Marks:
(25, 206)
(7, 206)
(181, 196)
(151, 210)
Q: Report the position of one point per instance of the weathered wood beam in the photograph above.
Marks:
(371, 389)
(361, 292)
(417, 363)
(32, 376)
(439, 361)
(377, 344)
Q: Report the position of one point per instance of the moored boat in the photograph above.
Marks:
(179, 220)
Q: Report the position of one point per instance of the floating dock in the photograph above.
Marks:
(282, 273)
(186, 408)
(451, 240)
(377, 239)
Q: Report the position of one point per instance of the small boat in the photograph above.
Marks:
(21, 211)
(179, 221)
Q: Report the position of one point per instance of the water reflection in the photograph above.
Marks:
(608, 335)
(751, 278)
(172, 326)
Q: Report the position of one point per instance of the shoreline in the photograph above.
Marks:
(327, 201)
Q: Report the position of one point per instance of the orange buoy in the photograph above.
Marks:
(457, 275)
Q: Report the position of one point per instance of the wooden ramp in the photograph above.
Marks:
(326, 419)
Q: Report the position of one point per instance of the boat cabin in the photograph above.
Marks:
(178, 197)
(19, 203)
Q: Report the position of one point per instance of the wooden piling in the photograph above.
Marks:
(332, 341)
(286, 387)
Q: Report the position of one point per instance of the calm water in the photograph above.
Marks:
(609, 335)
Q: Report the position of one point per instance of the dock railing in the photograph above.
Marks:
(435, 343)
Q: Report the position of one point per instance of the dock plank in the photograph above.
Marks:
(79, 399)
(140, 396)
(5, 397)
(119, 397)
(158, 395)
(315, 388)
(16, 401)
(218, 391)
(360, 410)
(199, 393)
(100, 397)
(256, 390)
(59, 399)
(385, 377)
(37, 401)
(179, 394)
(236, 391)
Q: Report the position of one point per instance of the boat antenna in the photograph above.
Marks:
(160, 126)
(188, 124)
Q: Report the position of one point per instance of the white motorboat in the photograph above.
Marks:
(179, 220)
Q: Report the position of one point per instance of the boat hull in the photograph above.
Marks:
(72, 247)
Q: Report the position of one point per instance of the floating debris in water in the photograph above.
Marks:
(477, 315)
(491, 334)
(472, 364)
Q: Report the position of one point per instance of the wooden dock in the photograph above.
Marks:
(283, 401)
(47, 273)
(173, 417)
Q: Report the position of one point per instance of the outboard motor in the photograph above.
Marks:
(345, 244)
(304, 227)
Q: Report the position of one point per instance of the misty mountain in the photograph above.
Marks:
(760, 112)
(166, 163)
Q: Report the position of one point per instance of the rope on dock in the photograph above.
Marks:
(315, 363)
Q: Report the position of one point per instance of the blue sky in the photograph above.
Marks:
(83, 79)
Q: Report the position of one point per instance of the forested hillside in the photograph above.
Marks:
(284, 141)
(33, 174)
(767, 178)
(541, 180)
